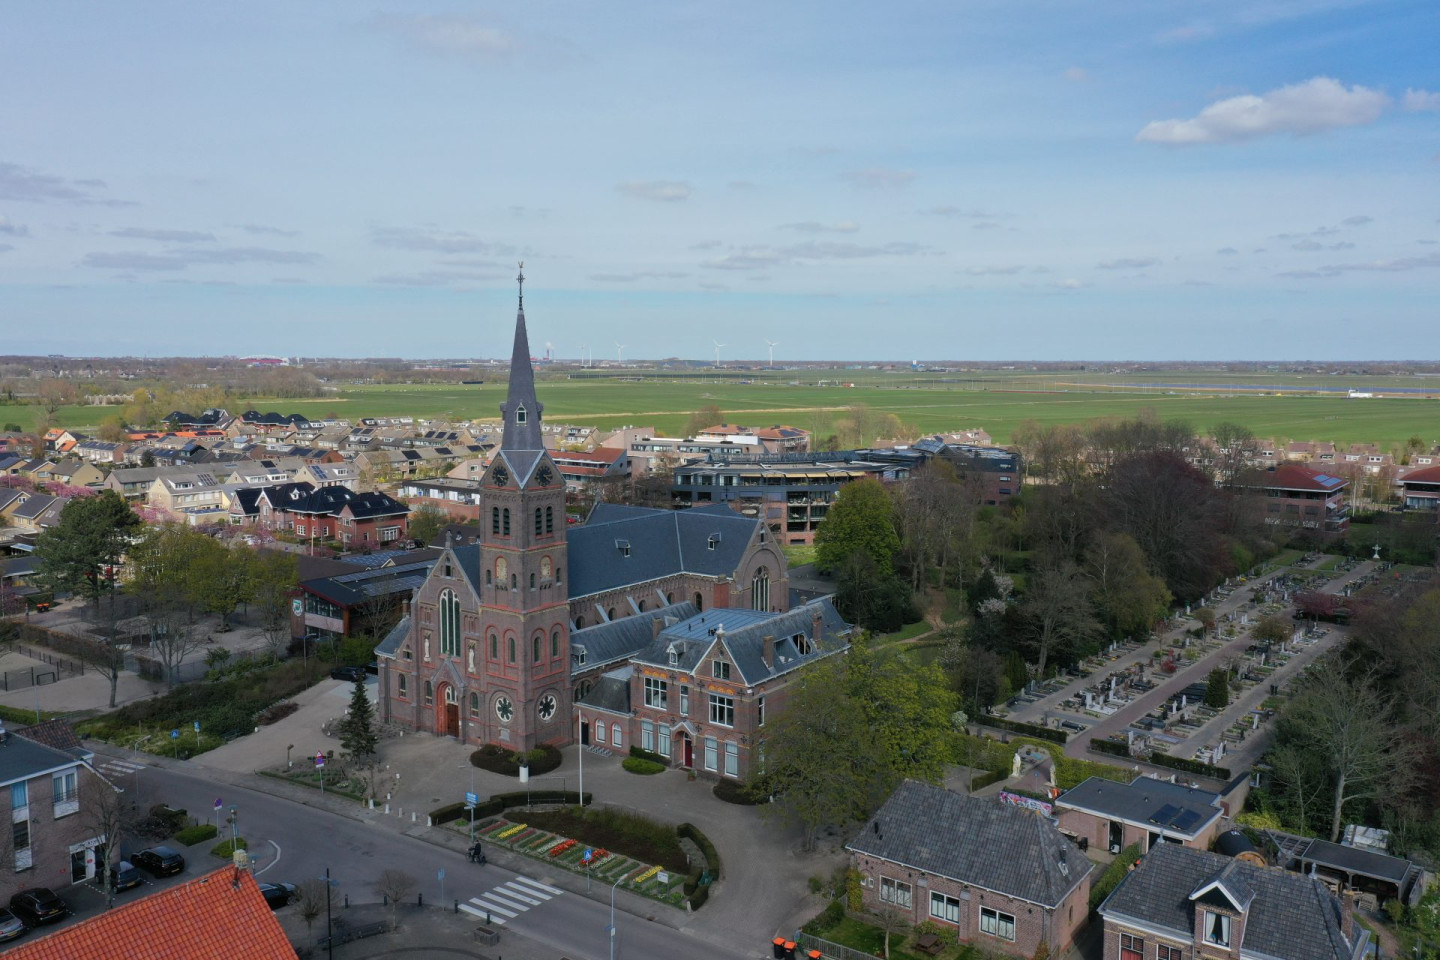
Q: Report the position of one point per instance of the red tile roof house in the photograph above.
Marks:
(1002, 876)
(221, 914)
(1298, 496)
(1422, 490)
(1183, 904)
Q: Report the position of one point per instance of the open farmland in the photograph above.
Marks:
(997, 403)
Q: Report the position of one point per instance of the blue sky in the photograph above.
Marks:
(1017, 179)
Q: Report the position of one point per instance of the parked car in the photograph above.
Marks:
(38, 905)
(349, 674)
(277, 895)
(159, 861)
(125, 876)
(11, 926)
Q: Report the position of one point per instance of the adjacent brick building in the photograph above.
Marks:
(1112, 815)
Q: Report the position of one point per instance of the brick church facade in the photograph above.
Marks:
(493, 648)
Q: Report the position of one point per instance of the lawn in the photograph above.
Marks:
(908, 632)
(998, 405)
(799, 553)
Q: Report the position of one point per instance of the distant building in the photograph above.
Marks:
(1112, 815)
(1421, 489)
(1302, 497)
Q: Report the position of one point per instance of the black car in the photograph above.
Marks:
(125, 876)
(277, 895)
(38, 905)
(160, 861)
(350, 674)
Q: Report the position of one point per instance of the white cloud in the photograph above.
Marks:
(959, 213)
(435, 239)
(1357, 221)
(663, 191)
(6, 247)
(179, 258)
(1187, 33)
(1128, 263)
(437, 278)
(812, 226)
(1397, 265)
(763, 257)
(1303, 108)
(263, 229)
(638, 275)
(1417, 101)
(1069, 283)
(10, 228)
(452, 35)
(879, 178)
(994, 271)
(1076, 75)
(165, 236)
(30, 186)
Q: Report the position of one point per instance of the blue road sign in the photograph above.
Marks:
(440, 874)
(197, 726)
(174, 734)
(472, 798)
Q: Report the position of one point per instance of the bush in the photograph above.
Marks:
(642, 766)
(1113, 874)
(744, 794)
(821, 923)
(648, 755)
(277, 711)
(618, 831)
(500, 802)
(196, 834)
(174, 820)
(1191, 766)
(507, 762)
(712, 857)
(225, 851)
(1028, 729)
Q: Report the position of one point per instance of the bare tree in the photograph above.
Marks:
(111, 815)
(892, 922)
(1345, 718)
(310, 899)
(395, 886)
(1058, 603)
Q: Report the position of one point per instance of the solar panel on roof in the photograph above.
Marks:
(1186, 820)
(1165, 814)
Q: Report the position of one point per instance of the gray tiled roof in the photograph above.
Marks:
(661, 543)
(1158, 804)
(21, 759)
(743, 633)
(1291, 917)
(984, 843)
(390, 646)
(1355, 860)
(619, 639)
(610, 692)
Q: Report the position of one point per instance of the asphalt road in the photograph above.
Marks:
(291, 842)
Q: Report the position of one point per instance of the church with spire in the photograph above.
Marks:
(544, 633)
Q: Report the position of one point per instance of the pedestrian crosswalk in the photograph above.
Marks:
(114, 767)
(507, 901)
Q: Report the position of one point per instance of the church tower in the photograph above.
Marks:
(524, 612)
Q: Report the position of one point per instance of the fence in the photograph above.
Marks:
(832, 951)
(63, 666)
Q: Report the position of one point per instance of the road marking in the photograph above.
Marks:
(536, 883)
(273, 860)
(507, 898)
(484, 902)
(516, 892)
(482, 914)
(121, 766)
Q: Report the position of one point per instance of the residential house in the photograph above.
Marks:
(134, 483)
(60, 440)
(181, 493)
(460, 499)
(368, 519)
(101, 451)
(1001, 876)
(1309, 451)
(361, 600)
(580, 469)
(776, 439)
(216, 418)
(994, 471)
(75, 472)
(48, 794)
(221, 913)
(700, 686)
(1421, 489)
(38, 513)
(1302, 497)
(1111, 816)
(329, 474)
(1180, 903)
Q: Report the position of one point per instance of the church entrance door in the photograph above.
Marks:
(689, 752)
(452, 719)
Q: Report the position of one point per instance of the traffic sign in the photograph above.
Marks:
(589, 855)
(218, 804)
(174, 734)
(440, 874)
(472, 798)
(197, 726)
(319, 759)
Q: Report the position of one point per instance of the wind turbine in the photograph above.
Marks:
(619, 356)
(583, 348)
(773, 344)
(718, 345)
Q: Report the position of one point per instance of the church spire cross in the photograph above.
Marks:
(521, 281)
(521, 408)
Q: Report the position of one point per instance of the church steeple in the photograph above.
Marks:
(520, 409)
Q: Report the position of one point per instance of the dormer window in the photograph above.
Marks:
(623, 546)
(520, 414)
(714, 540)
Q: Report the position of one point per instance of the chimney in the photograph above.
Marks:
(769, 653)
(405, 607)
(656, 625)
(817, 627)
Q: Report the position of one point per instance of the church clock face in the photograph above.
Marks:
(504, 709)
(546, 707)
(501, 476)
(543, 476)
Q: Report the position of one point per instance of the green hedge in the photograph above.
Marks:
(649, 755)
(1115, 748)
(833, 913)
(642, 766)
(985, 779)
(1190, 766)
(1028, 729)
(1113, 874)
(500, 802)
(196, 834)
(543, 759)
(744, 794)
(225, 851)
(712, 857)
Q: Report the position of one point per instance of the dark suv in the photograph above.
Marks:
(351, 674)
(160, 861)
(38, 905)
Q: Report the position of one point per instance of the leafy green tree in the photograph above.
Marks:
(426, 522)
(1217, 689)
(91, 537)
(1057, 603)
(275, 576)
(1273, 629)
(1130, 598)
(907, 707)
(876, 602)
(861, 520)
(357, 730)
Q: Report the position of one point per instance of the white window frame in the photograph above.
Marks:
(657, 693)
(617, 739)
(1131, 943)
(647, 735)
(1207, 933)
(720, 669)
(760, 711)
(662, 740)
(732, 759)
(897, 893)
(997, 924)
(722, 710)
(684, 700)
(599, 731)
(712, 753)
(945, 909)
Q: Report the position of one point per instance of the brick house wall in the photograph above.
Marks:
(1033, 923)
(1097, 830)
(56, 832)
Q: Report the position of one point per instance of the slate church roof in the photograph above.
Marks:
(982, 842)
(621, 545)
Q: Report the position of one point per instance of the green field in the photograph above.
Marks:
(666, 404)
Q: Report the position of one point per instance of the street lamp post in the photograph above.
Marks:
(580, 749)
(612, 916)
